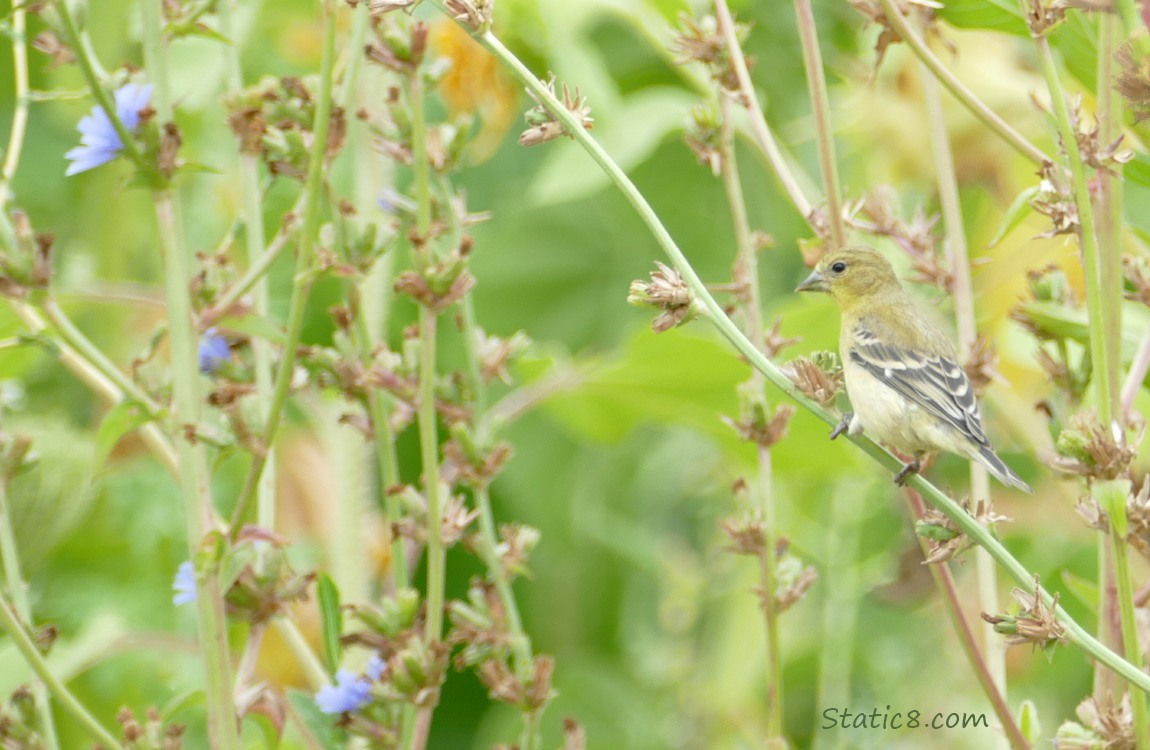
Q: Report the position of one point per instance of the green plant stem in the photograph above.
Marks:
(1109, 221)
(194, 479)
(426, 418)
(762, 131)
(14, 580)
(305, 274)
(746, 280)
(313, 668)
(1111, 498)
(1109, 218)
(257, 271)
(11, 625)
(387, 463)
(20, 112)
(67, 331)
(821, 110)
(87, 63)
(429, 453)
(964, 95)
(995, 691)
(254, 244)
(489, 535)
(993, 647)
(92, 376)
(1096, 303)
(714, 313)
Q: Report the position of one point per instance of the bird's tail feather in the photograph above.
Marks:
(1001, 471)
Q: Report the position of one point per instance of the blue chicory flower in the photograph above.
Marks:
(350, 691)
(185, 584)
(99, 141)
(214, 351)
(376, 667)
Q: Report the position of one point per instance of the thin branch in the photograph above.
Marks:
(964, 95)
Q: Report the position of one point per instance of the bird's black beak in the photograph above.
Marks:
(813, 283)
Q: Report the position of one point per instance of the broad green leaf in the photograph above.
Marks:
(331, 619)
(671, 378)
(1077, 45)
(997, 15)
(319, 725)
(1084, 590)
(1059, 321)
(118, 422)
(1138, 170)
(1015, 214)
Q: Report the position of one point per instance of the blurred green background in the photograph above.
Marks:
(654, 626)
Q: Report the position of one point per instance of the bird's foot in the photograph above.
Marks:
(910, 468)
(844, 425)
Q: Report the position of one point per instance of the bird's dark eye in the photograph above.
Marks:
(838, 267)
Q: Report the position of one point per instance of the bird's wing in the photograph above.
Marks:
(936, 383)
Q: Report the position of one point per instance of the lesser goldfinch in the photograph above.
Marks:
(902, 374)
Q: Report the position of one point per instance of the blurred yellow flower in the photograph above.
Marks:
(475, 84)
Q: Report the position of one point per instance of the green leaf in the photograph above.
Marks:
(1077, 43)
(235, 560)
(1084, 590)
(181, 702)
(268, 729)
(118, 422)
(1028, 722)
(670, 378)
(997, 15)
(331, 620)
(319, 725)
(254, 325)
(1015, 214)
(1138, 170)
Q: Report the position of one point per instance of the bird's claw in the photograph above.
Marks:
(844, 425)
(911, 468)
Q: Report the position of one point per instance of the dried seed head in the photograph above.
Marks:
(544, 126)
(702, 136)
(1035, 623)
(1086, 447)
(748, 536)
(1055, 200)
(1133, 81)
(818, 382)
(1044, 15)
(943, 537)
(980, 364)
(1114, 723)
(667, 291)
(1137, 272)
(774, 341)
(475, 14)
(874, 14)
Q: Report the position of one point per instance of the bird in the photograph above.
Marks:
(903, 377)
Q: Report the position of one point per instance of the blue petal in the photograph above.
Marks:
(376, 667)
(184, 584)
(214, 351)
(349, 693)
(99, 141)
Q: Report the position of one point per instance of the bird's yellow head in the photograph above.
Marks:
(851, 275)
